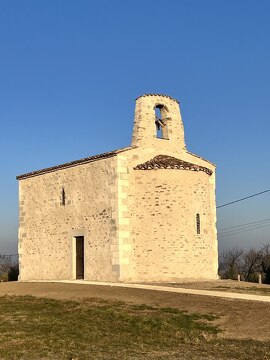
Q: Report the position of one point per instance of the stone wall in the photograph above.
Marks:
(47, 228)
(166, 246)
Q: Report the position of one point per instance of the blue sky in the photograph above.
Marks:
(70, 71)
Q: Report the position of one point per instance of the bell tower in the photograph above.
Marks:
(158, 123)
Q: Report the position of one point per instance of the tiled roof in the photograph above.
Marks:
(74, 163)
(169, 162)
(169, 97)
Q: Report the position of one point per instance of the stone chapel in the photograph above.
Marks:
(144, 213)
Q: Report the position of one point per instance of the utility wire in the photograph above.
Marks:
(9, 254)
(244, 225)
(245, 198)
(243, 231)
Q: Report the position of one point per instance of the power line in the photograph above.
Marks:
(242, 231)
(244, 225)
(9, 254)
(245, 198)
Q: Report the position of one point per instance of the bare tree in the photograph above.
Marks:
(247, 263)
(9, 270)
(230, 263)
(13, 272)
(251, 264)
(266, 263)
(5, 264)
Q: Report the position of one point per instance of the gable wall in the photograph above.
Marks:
(47, 228)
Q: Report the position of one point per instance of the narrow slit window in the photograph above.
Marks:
(63, 197)
(198, 224)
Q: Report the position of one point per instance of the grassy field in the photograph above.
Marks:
(39, 328)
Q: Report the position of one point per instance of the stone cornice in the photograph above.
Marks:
(161, 95)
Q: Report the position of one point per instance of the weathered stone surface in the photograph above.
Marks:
(137, 225)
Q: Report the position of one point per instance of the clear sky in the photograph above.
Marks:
(71, 70)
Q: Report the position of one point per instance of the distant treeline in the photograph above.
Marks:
(9, 268)
(246, 263)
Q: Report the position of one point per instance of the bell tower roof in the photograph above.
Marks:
(159, 95)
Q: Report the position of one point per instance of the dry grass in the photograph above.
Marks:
(39, 328)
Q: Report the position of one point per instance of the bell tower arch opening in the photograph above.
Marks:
(161, 122)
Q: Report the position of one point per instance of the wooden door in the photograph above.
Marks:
(79, 257)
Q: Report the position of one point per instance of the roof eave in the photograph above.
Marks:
(73, 163)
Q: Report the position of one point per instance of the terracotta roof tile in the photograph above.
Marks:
(169, 162)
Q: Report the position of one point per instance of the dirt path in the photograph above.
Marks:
(239, 318)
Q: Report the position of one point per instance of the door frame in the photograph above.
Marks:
(80, 258)
(74, 257)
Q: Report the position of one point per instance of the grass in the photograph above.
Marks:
(35, 328)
